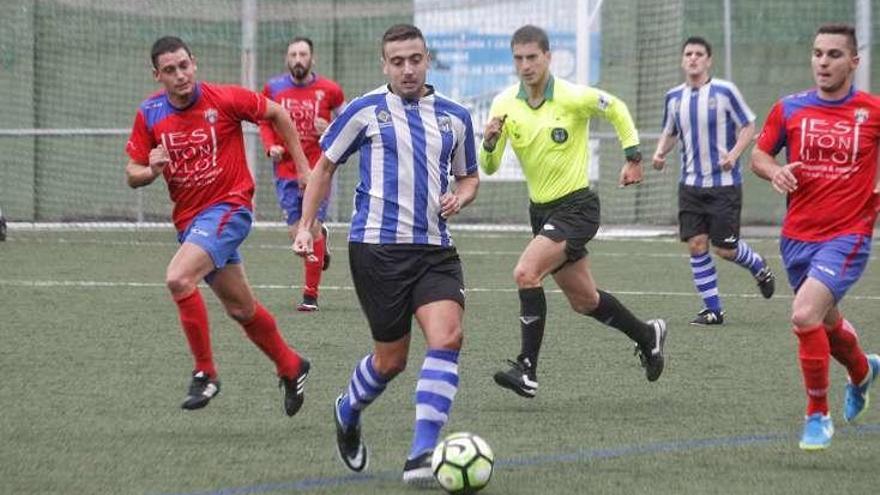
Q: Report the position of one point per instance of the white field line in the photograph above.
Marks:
(464, 252)
(156, 285)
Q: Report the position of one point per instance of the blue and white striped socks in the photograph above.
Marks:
(435, 391)
(365, 385)
(706, 280)
(747, 258)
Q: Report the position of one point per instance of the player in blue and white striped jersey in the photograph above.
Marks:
(403, 263)
(714, 125)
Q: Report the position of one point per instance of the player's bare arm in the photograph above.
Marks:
(317, 189)
(746, 133)
(141, 174)
(782, 178)
(664, 146)
(492, 132)
(280, 118)
(466, 187)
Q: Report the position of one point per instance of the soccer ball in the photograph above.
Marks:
(462, 463)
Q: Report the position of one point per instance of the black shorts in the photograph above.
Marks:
(710, 210)
(573, 218)
(393, 280)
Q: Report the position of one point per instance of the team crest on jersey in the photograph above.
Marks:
(384, 118)
(604, 101)
(444, 123)
(861, 115)
(559, 135)
(211, 115)
(712, 103)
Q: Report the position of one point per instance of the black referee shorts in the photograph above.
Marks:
(393, 280)
(710, 210)
(573, 218)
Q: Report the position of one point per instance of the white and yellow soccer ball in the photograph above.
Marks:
(462, 463)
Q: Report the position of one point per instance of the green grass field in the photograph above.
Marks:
(93, 367)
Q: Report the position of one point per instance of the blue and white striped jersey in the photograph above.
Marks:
(408, 149)
(706, 119)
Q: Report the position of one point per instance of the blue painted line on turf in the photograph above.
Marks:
(579, 455)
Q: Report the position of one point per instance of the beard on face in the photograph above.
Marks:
(299, 71)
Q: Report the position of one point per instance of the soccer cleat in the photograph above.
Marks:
(417, 472)
(326, 235)
(521, 378)
(308, 304)
(708, 317)
(349, 445)
(293, 389)
(818, 430)
(766, 281)
(201, 390)
(653, 359)
(856, 399)
(2, 227)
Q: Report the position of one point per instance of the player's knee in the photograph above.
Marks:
(179, 285)
(451, 339)
(240, 312)
(725, 253)
(800, 321)
(585, 304)
(525, 277)
(389, 366)
(804, 317)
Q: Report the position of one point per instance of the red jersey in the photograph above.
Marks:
(205, 143)
(319, 97)
(837, 142)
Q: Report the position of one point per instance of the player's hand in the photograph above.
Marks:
(276, 151)
(658, 161)
(727, 162)
(304, 244)
(449, 205)
(784, 180)
(159, 158)
(320, 125)
(631, 173)
(493, 131)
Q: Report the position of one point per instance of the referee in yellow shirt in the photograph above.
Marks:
(546, 121)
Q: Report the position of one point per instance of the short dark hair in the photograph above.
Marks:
(840, 28)
(167, 44)
(530, 34)
(402, 32)
(304, 39)
(698, 40)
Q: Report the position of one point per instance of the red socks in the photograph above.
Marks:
(263, 331)
(314, 269)
(846, 350)
(194, 319)
(814, 353)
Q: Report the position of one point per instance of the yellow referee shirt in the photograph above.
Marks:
(551, 141)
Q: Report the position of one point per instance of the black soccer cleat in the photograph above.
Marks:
(201, 390)
(309, 304)
(349, 444)
(293, 389)
(326, 235)
(521, 378)
(417, 472)
(652, 359)
(766, 281)
(708, 317)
